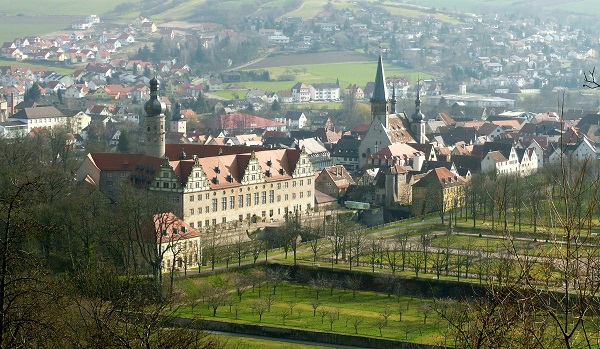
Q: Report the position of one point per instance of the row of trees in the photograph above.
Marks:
(562, 203)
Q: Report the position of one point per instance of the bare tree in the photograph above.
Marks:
(276, 276)
(315, 303)
(385, 313)
(284, 313)
(356, 322)
(318, 284)
(240, 282)
(334, 315)
(260, 307)
(353, 282)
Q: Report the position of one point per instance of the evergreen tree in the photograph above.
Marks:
(123, 146)
(276, 106)
(34, 93)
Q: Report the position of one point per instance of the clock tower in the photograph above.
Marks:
(155, 123)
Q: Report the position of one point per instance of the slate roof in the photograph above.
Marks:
(37, 113)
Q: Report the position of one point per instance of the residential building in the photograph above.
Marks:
(324, 92)
(334, 181)
(300, 93)
(438, 190)
(39, 117)
(319, 156)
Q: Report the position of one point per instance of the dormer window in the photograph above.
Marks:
(230, 178)
(268, 173)
(269, 163)
(215, 180)
(282, 171)
(217, 169)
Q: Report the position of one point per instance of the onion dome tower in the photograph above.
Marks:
(418, 119)
(155, 122)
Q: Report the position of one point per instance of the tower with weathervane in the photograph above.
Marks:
(155, 123)
(379, 101)
(417, 123)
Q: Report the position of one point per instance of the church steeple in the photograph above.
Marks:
(393, 101)
(379, 101)
(418, 119)
(155, 122)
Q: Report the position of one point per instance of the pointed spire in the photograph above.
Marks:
(418, 115)
(380, 90)
(393, 101)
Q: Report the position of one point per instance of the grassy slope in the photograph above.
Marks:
(366, 306)
(587, 7)
(59, 70)
(59, 7)
(255, 343)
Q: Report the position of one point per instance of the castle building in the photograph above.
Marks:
(208, 186)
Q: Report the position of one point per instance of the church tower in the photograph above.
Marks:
(178, 122)
(379, 101)
(155, 123)
(417, 123)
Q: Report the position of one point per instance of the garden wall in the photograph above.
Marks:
(298, 334)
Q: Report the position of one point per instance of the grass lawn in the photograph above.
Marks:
(310, 8)
(59, 69)
(348, 72)
(256, 343)
(337, 311)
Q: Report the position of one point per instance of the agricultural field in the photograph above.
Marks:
(310, 8)
(179, 11)
(12, 27)
(323, 67)
(39, 17)
(587, 7)
(59, 7)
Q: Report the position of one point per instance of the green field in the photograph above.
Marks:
(60, 7)
(256, 343)
(348, 72)
(586, 7)
(39, 17)
(59, 70)
(310, 8)
(410, 318)
(180, 11)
